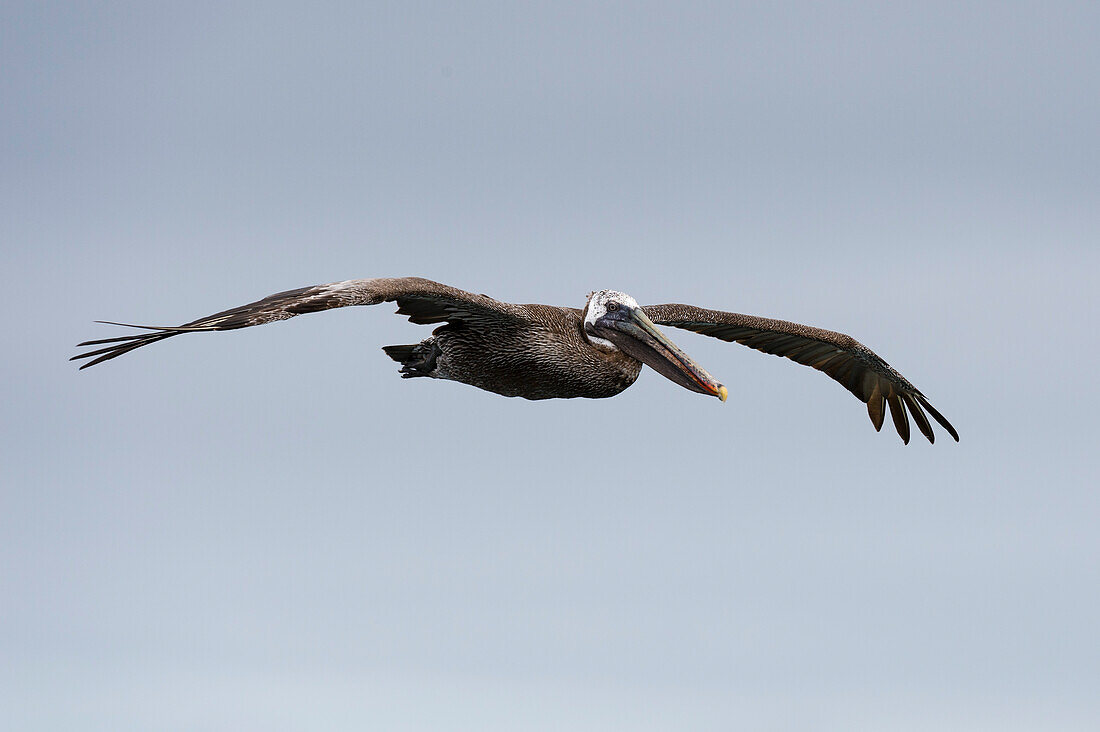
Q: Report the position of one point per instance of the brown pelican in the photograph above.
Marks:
(547, 352)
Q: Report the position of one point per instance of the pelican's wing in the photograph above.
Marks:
(422, 300)
(842, 357)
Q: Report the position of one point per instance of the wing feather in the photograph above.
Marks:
(423, 300)
(846, 360)
(876, 408)
(897, 413)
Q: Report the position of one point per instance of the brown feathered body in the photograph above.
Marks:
(540, 352)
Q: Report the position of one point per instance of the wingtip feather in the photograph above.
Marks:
(876, 409)
(918, 417)
(938, 417)
(901, 419)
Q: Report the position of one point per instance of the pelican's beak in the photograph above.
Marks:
(631, 330)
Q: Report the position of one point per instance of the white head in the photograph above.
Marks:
(599, 303)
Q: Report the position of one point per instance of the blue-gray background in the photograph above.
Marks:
(268, 529)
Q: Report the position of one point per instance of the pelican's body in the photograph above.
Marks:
(540, 354)
(547, 352)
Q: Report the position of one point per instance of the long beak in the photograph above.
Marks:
(636, 334)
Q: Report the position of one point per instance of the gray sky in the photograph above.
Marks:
(267, 529)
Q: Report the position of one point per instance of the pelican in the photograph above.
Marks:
(550, 352)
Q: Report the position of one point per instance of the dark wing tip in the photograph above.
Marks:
(876, 409)
(901, 419)
(121, 344)
(919, 417)
(937, 416)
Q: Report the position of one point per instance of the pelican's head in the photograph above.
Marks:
(614, 321)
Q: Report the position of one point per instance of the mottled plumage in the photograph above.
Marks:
(545, 352)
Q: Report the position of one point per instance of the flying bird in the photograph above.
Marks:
(550, 352)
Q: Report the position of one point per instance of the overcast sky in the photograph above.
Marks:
(269, 530)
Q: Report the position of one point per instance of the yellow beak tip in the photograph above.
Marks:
(723, 393)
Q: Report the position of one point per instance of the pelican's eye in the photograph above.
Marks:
(612, 307)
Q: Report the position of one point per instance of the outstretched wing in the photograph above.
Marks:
(842, 357)
(422, 300)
